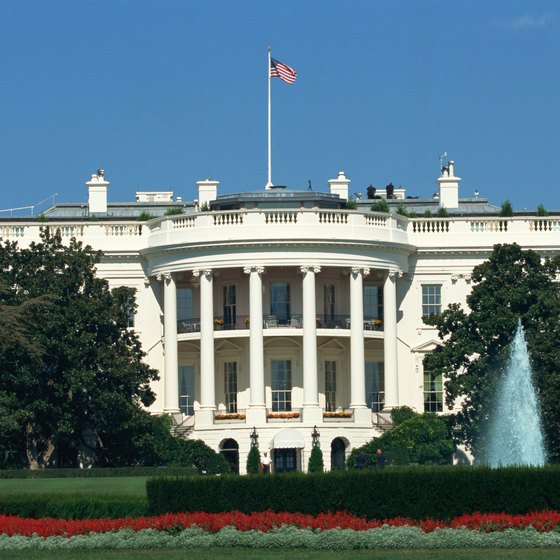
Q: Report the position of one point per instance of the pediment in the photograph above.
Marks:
(427, 346)
(225, 345)
(332, 344)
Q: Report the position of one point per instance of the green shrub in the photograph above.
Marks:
(174, 211)
(72, 507)
(253, 460)
(416, 492)
(380, 205)
(351, 204)
(145, 216)
(98, 473)
(316, 460)
(195, 452)
(402, 211)
(442, 212)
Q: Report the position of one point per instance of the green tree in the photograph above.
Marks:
(511, 285)
(85, 378)
(542, 211)
(507, 209)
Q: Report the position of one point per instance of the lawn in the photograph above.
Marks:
(115, 486)
(244, 554)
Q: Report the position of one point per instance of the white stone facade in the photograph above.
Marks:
(286, 319)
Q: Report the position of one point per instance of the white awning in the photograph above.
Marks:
(286, 439)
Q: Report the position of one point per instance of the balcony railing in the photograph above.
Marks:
(294, 321)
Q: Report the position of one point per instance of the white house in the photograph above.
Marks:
(282, 314)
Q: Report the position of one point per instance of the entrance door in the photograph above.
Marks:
(230, 451)
(338, 450)
(285, 460)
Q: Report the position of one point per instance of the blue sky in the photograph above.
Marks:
(164, 93)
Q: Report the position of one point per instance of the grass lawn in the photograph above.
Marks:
(249, 554)
(120, 486)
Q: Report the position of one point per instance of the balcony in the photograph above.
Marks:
(293, 321)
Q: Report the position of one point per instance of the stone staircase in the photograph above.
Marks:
(182, 425)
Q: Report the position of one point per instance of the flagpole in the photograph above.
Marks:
(269, 184)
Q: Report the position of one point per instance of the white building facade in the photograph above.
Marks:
(281, 313)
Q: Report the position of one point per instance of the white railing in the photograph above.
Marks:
(280, 216)
(430, 225)
(12, 231)
(123, 230)
(67, 230)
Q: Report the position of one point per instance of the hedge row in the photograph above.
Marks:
(93, 473)
(418, 492)
(72, 507)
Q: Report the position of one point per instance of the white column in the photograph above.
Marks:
(390, 340)
(310, 392)
(357, 353)
(171, 366)
(256, 352)
(207, 383)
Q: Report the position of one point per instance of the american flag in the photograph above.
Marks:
(280, 70)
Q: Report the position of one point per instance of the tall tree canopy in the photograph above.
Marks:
(71, 372)
(512, 285)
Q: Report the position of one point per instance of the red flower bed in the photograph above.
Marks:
(543, 521)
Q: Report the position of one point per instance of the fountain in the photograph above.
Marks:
(515, 434)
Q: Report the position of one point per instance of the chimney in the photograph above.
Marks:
(448, 187)
(97, 193)
(207, 191)
(339, 185)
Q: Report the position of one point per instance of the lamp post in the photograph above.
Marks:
(315, 437)
(254, 438)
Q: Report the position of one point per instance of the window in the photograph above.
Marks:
(433, 392)
(229, 307)
(373, 302)
(184, 304)
(281, 385)
(330, 386)
(328, 302)
(128, 308)
(375, 385)
(186, 389)
(280, 302)
(230, 386)
(431, 299)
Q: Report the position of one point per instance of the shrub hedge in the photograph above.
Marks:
(416, 492)
(93, 473)
(72, 507)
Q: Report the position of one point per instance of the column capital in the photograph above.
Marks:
(164, 276)
(304, 269)
(197, 272)
(364, 271)
(393, 274)
(254, 268)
